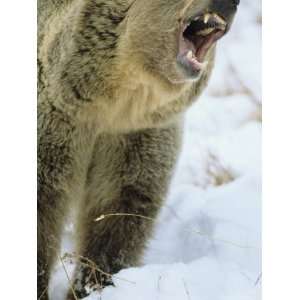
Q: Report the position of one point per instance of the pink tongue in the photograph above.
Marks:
(202, 50)
(206, 44)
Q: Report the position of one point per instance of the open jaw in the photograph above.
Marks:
(197, 36)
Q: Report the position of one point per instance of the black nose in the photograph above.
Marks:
(225, 8)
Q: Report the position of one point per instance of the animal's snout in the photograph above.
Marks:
(225, 8)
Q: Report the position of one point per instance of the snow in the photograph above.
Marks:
(207, 241)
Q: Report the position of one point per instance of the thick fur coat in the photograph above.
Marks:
(111, 99)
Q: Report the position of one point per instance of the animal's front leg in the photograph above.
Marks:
(115, 225)
(113, 238)
(55, 163)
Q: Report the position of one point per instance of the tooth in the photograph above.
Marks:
(206, 18)
(186, 26)
(205, 31)
(221, 26)
(219, 19)
(189, 55)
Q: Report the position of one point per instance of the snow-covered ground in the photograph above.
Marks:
(207, 242)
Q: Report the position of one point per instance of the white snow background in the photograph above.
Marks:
(207, 242)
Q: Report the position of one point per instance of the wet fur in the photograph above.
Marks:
(110, 110)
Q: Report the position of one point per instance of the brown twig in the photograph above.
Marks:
(89, 263)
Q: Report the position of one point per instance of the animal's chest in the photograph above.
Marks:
(99, 165)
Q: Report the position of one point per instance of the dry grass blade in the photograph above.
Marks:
(68, 277)
(223, 241)
(258, 279)
(102, 217)
(89, 263)
(217, 172)
(208, 235)
(158, 286)
(186, 289)
(43, 293)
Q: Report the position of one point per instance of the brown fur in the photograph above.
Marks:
(110, 108)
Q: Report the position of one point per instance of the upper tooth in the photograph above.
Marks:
(206, 18)
(205, 31)
(187, 25)
(219, 19)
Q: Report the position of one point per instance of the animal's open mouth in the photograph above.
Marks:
(197, 37)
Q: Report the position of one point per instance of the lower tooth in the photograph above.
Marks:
(189, 55)
(205, 31)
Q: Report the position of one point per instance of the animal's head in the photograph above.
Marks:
(175, 38)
